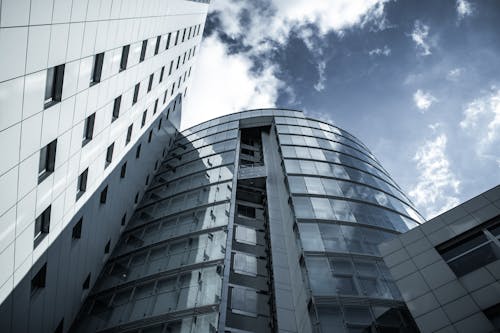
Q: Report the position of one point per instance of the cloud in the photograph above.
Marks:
(225, 83)
(320, 85)
(454, 74)
(464, 8)
(437, 186)
(423, 100)
(481, 120)
(420, 36)
(386, 51)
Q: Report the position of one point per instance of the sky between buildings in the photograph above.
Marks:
(418, 81)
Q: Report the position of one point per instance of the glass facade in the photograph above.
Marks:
(200, 252)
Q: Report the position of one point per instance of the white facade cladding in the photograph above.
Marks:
(81, 83)
(448, 269)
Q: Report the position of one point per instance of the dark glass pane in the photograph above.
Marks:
(475, 259)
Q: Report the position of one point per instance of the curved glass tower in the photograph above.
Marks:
(259, 221)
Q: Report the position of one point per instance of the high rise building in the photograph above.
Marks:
(448, 269)
(259, 221)
(90, 96)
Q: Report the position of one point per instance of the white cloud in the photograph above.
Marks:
(481, 120)
(464, 8)
(437, 186)
(420, 35)
(454, 74)
(423, 100)
(225, 84)
(320, 85)
(386, 51)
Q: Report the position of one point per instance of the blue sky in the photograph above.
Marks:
(417, 81)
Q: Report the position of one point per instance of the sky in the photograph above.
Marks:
(418, 81)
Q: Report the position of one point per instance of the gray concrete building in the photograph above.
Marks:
(447, 269)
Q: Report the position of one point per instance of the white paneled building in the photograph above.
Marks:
(81, 82)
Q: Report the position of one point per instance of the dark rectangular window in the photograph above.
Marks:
(47, 161)
(82, 183)
(136, 93)
(97, 69)
(189, 53)
(189, 34)
(165, 96)
(173, 88)
(136, 199)
(144, 115)
(150, 83)
(129, 134)
(150, 136)
(88, 130)
(138, 152)
(123, 170)
(77, 229)
(42, 226)
(170, 69)
(86, 283)
(161, 74)
(157, 46)
(184, 35)
(178, 62)
(194, 50)
(159, 124)
(184, 58)
(143, 50)
(107, 247)
(177, 37)
(124, 219)
(246, 211)
(104, 195)
(147, 180)
(38, 281)
(168, 41)
(54, 85)
(116, 108)
(124, 59)
(473, 249)
(156, 106)
(109, 155)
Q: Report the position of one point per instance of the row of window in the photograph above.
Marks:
(47, 160)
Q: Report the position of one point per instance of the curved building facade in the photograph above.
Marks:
(259, 221)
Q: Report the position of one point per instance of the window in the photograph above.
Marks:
(493, 315)
(246, 211)
(54, 85)
(178, 62)
(473, 249)
(189, 34)
(143, 50)
(244, 301)
(124, 59)
(82, 183)
(136, 93)
(157, 46)
(123, 170)
(104, 195)
(38, 281)
(124, 219)
(136, 199)
(161, 74)
(86, 283)
(165, 96)
(156, 106)
(47, 161)
(116, 108)
(168, 41)
(77, 229)
(129, 134)
(173, 88)
(147, 180)
(97, 69)
(144, 115)
(184, 58)
(150, 83)
(109, 155)
(150, 136)
(107, 247)
(88, 129)
(177, 37)
(138, 152)
(159, 124)
(42, 226)
(184, 35)
(170, 69)
(245, 264)
(245, 235)
(194, 50)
